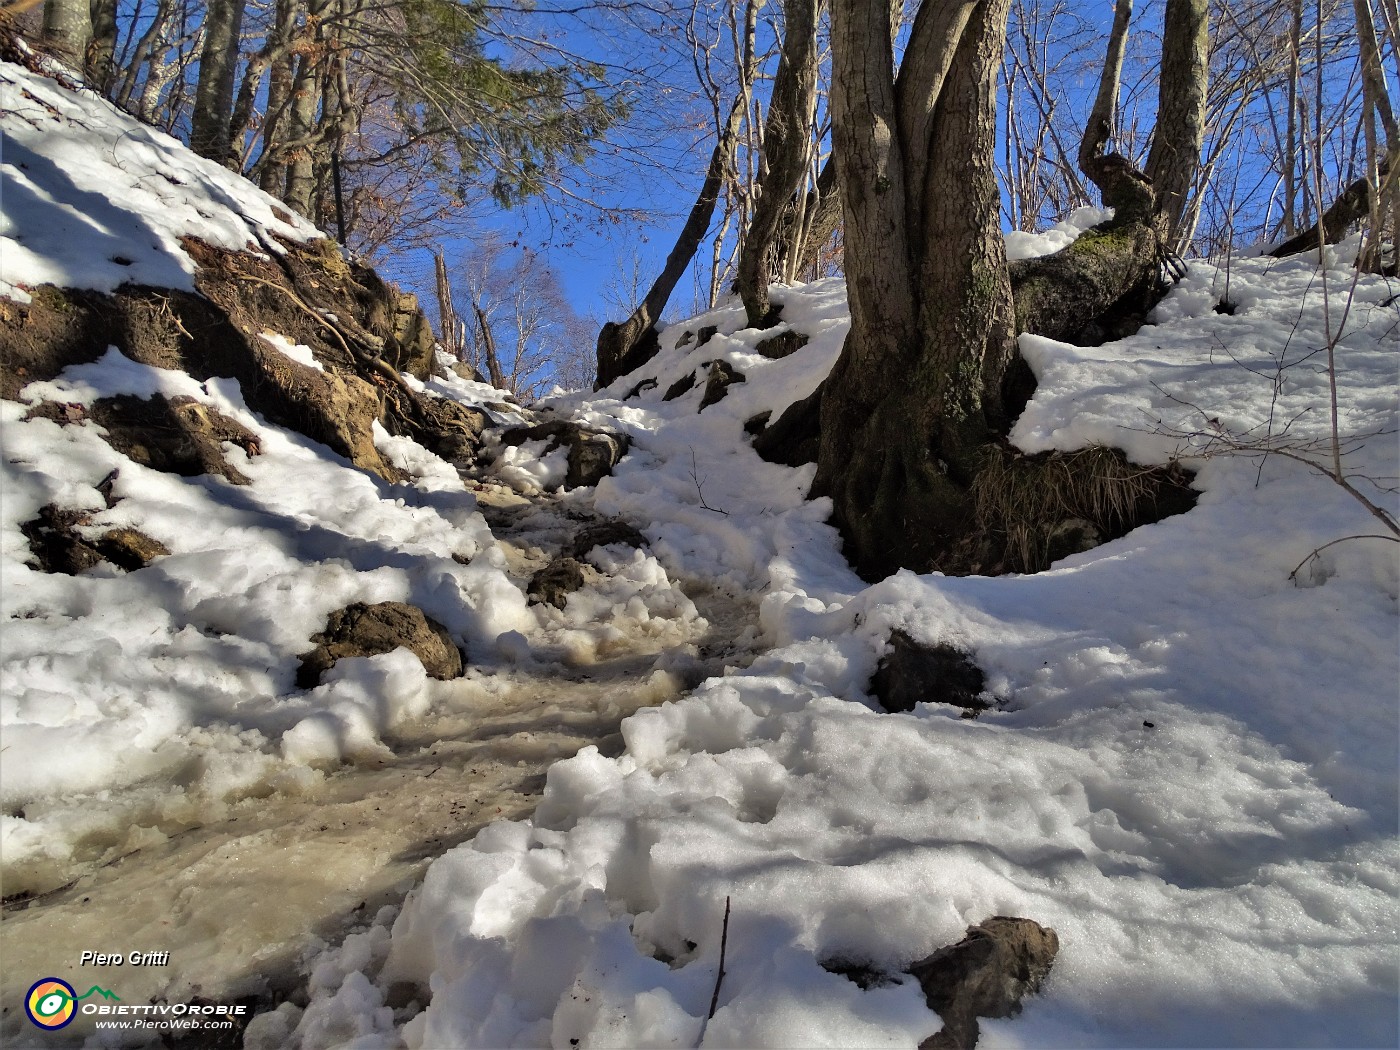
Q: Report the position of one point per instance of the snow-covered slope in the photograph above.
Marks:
(94, 199)
(1190, 773)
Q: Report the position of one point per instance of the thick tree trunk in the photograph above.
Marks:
(213, 93)
(626, 346)
(68, 29)
(916, 393)
(1175, 157)
(786, 148)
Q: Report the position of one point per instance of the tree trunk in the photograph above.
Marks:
(1175, 157)
(307, 85)
(213, 93)
(1351, 206)
(626, 346)
(271, 167)
(488, 350)
(98, 60)
(916, 392)
(823, 217)
(68, 29)
(786, 148)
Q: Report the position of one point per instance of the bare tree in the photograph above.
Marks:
(218, 64)
(625, 346)
(526, 337)
(786, 153)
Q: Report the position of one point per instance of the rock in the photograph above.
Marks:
(555, 582)
(679, 387)
(593, 458)
(592, 453)
(130, 549)
(793, 439)
(757, 424)
(176, 435)
(1071, 536)
(54, 544)
(722, 376)
(705, 335)
(636, 391)
(57, 546)
(368, 630)
(603, 534)
(446, 428)
(986, 974)
(913, 672)
(776, 347)
(686, 338)
(462, 370)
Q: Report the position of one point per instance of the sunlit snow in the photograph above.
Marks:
(1190, 774)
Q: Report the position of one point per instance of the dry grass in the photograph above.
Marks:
(1025, 497)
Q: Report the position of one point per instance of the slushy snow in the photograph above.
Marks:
(1190, 773)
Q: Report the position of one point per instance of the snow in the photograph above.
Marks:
(1190, 773)
(95, 199)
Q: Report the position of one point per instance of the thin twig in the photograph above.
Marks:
(1360, 536)
(719, 977)
(695, 477)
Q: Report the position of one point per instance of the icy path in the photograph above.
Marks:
(242, 903)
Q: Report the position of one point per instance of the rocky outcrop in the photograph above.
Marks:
(553, 584)
(913, 672)
(368, 630)
(563, 575)
(784, 344)
(604, 534)
(363, 333)
(175, 435)
(722, 376)
(793, 438)
(592, 453)
(986, 974)
(681, 386)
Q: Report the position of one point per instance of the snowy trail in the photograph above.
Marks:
(245, 901)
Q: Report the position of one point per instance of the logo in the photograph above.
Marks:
(52, 1003)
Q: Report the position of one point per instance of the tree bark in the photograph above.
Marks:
(99, 69)
(786, 148)
(68, 29)
(916, 392)
(1175, 157)
(213, 93)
